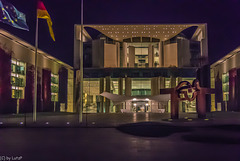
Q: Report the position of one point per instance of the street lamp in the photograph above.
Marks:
(81, 68)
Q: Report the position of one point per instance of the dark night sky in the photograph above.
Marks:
(222, 17)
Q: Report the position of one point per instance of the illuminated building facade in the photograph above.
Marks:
(125, 66)
(225, 77)
(54, 81)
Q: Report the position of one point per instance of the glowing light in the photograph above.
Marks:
(21, 123)
(146, 104)
(134, 99)
(1, 123)
(135, 104)
(47, 123)
(68, 123)
(147, 99)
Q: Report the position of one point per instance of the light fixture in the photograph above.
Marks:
(134, 99)
(47, 123)
(147, 99)
(146, 104)
(135, 104)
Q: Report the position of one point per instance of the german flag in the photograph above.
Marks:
(43, 13)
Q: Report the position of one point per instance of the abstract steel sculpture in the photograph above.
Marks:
(190, 92)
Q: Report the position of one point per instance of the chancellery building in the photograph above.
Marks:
(55, 79)
(125, 66)
(225, 78)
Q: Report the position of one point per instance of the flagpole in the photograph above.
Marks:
(35, 78)
(81, 67)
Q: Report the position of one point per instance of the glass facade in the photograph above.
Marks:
(91, 97)
(141, 86)
(18, 78)
(54, 87)
(93, 102)
(225, 86)
(114, 86)
(212, 79)
(141, 51)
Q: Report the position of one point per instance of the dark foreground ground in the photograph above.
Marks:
(132, 142)
(136, 139)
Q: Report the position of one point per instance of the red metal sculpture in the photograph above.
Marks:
(181, 93)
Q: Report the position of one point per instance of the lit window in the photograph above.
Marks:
(54, 87)
(18, 79)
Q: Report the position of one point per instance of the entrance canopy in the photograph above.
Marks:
(117, 99)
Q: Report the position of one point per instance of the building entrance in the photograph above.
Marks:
(140, 106)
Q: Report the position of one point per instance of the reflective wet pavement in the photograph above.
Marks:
(127, 137)
(110, 144)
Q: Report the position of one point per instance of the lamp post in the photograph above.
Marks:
(80, 118)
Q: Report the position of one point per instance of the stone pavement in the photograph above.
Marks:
(111, 144)
(114, 119)
(144, 138)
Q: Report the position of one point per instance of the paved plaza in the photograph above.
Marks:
(124, 137)
(113, 119)
(104, 144)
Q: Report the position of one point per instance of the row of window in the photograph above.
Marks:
(18, 81)
(54, 87)
(18, 78)
(225, 86)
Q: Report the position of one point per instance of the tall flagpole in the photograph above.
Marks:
(81, 67)
(35, 78)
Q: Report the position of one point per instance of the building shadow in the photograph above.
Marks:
(211, 139)
(234, 128)
(223, 134)
(152, 129)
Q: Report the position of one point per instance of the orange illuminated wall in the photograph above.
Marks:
(170, 55)
(110, 56)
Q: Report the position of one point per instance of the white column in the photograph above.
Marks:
(131, 56)
(124, 55)
(118, 53)
(150, 56)
(160, 51)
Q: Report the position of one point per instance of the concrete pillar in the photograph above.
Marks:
(232, 90)
(154, 86)
(128, 86)
(120, 86)
(118, 53)
(150, 56)
(204, 42)
(162, 82)
(131, 56)
(124, 56)
(108, 89)
(179, 79)
(173, 82)
(101, 88)
(174, 105)
(160, 51)
(120, 92)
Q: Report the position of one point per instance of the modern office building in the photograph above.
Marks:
(225, 78)
(55, 79)
(125, 66)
